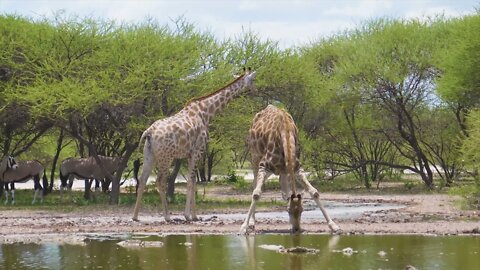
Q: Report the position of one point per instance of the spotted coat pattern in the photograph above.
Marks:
(274, 148)
(184, 135)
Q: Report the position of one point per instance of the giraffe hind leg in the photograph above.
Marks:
(147, 169)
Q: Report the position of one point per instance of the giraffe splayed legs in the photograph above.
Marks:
(273, 144)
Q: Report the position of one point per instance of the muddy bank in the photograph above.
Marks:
(420, 214)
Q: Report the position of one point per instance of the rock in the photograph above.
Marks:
(348, 251)
(271, 247)
(140, 243)
(298, 250)
(282, 249)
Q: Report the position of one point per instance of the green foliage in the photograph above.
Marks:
(471, 150)
(232, 177)
(470, 193)
(409, 184)
(459, 61)
(234, 180)
(107, 82)
(471, 145)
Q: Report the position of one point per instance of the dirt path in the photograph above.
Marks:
(422, 214)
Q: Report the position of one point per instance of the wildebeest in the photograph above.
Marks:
(85, 168)
(24, 171)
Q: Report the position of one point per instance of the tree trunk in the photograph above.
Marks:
(115, 194)
(55, 159)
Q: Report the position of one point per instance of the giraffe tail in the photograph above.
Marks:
(288, 135)
(146, 135)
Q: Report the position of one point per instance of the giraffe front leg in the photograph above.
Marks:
(316, 197)
(190, 213)
(284, 187)
(261, 176)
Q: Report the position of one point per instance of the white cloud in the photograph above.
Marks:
(363, 8)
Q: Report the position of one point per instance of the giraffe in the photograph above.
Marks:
(274, 149)
(184, 135)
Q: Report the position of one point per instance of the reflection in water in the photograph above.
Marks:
(243, 252)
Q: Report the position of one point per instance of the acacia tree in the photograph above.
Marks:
(103, 84)
(459, 84)
(19, 56)
(470, 153)
(342, 125)
(395, 70)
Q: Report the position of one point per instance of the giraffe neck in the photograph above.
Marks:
(216, 102)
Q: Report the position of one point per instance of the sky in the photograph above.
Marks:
(291, 23)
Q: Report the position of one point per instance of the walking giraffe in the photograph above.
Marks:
(184, 135)
(274, 147)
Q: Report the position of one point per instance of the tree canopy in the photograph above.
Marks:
(378, 98)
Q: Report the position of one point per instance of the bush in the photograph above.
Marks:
(470, 194)
(409, 185)
(232, 177)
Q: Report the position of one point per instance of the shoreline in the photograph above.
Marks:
(435, 214)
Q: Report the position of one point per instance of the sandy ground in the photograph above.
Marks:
(422, 214)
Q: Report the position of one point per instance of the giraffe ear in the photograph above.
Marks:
(244, 69)
(249, 69)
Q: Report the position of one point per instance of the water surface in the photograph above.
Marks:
(240, 252)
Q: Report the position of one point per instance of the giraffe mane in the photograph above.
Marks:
(215, 92)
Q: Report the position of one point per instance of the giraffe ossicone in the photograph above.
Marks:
(274, 148)
(184, 135)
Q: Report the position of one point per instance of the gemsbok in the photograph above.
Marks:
(24, 171)
(85, 168)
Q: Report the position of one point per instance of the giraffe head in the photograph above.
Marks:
(295, 209)
(249, 78)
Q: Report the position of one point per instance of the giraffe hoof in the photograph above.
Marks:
(243, 230)
(334, 227)
(246, 229)
(135, 219)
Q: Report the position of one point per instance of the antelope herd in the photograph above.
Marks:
(12, 172)
(273, 144)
